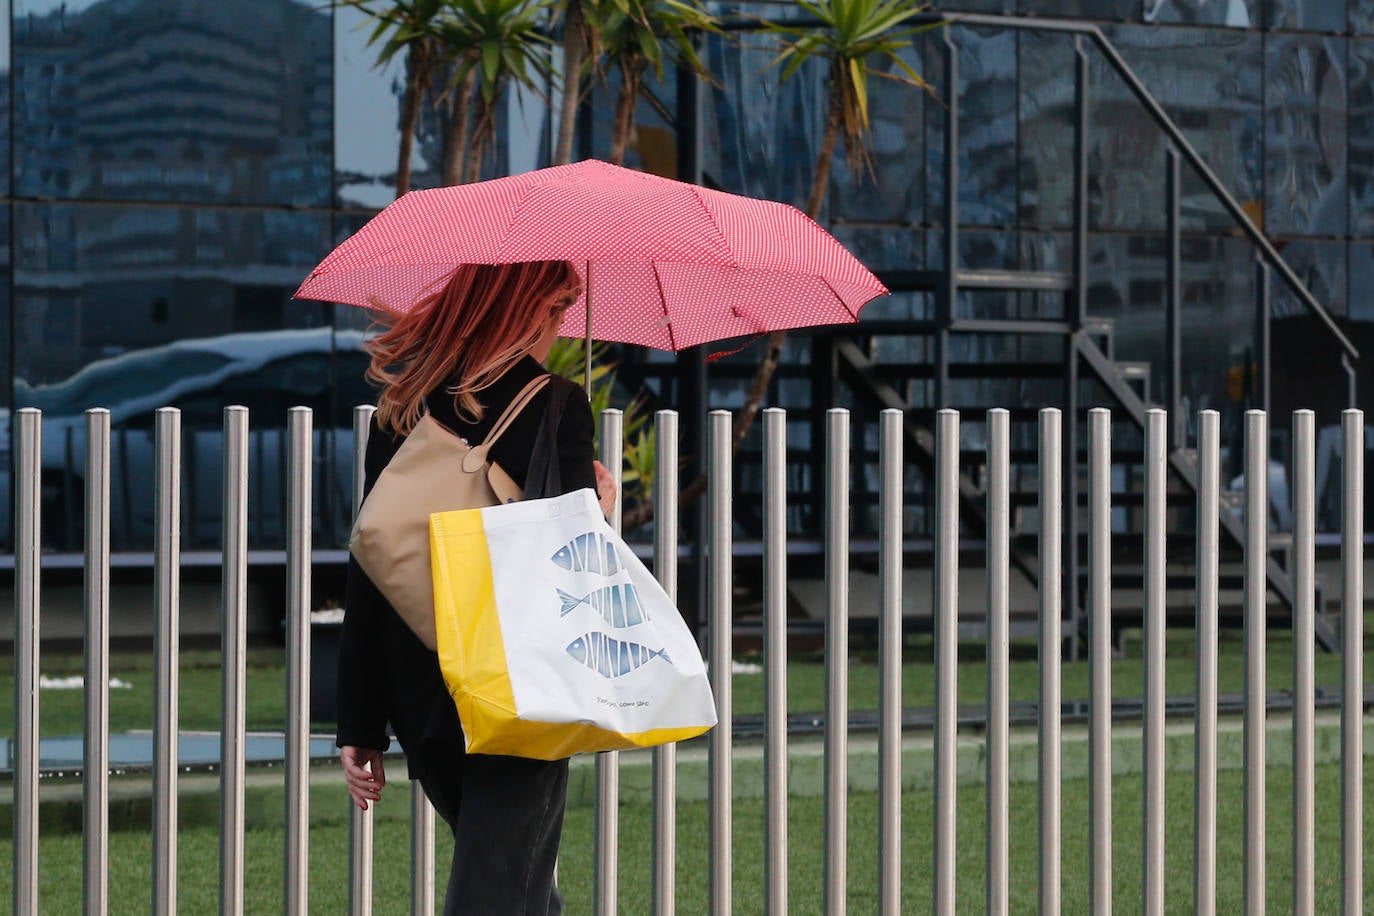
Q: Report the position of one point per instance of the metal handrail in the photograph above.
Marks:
(1160, 116)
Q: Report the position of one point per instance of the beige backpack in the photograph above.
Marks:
(434, 470)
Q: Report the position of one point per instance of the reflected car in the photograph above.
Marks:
(268, 372)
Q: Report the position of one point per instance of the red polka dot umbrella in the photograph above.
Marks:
(671, 265)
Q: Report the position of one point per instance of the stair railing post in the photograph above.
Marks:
(1173, 304)
(949, 289)
(1263, 330)
(1077, 314)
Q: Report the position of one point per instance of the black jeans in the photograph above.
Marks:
(506, 814)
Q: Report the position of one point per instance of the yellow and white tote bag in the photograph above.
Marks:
(553, 637)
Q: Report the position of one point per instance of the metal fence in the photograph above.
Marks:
(773, 883)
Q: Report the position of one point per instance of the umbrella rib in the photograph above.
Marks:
(844, 305)
(696, 193)
(663, 298)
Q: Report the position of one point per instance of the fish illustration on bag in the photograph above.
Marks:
(591, 552)
(618, 605)
(610, 657)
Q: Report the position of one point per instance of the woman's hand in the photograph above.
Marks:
(363, 785)
(605, 488)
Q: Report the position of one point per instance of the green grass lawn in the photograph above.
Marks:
(60, 856)
(61, 711)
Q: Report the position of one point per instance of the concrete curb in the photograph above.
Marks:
(265, 795)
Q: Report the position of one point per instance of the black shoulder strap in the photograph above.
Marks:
(544, 477)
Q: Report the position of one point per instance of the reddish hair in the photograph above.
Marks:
(467, 334)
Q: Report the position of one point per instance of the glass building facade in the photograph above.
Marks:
(173, 168)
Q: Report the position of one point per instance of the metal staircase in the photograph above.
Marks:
(1067, 358)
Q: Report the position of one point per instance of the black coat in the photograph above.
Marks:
(385, 673)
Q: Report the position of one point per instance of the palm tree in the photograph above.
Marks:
(490, 44)
(639, 35)
(575, 42)
(406, 26)
(848, 37)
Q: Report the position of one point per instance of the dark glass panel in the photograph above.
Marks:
(893, 191)
(883, 248)
(1244, 14)
(1084, 9)
(6, 379)
(761, 137)
(987, 128)
(1305, 154)
(1209, 83)
(136, 308)
(1307, 15)
(652, 147)
(1046, 111)
(1362, 17)
(1321, 267)
(1361, 129)
(192, 102)
(1361, 304)
(368, 120)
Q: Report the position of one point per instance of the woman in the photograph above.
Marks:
(463, 354)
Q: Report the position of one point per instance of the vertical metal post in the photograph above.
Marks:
(775, 660)
(1051, 647)
(1352, 662)
(720, 610)
(890, 496)
(1205, 727)
(946, 654)
(665, 568)
(1173, 304)
(948, 303)
(360, 821)
(1256, 625)
(1156, 492)
(999, 662)
(300, 463)
(1304, 639)
(1263, 332)
(166, 653)
(836, 660)
(234, 635)
(421, 852)
(28, 448)
(1077, 315)
(95, 771)
(607, 825)
(1100, 659)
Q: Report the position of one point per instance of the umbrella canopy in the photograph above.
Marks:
(667, 264)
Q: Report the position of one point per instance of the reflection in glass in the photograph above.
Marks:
(139, 308)
(1320, 266)
(1361, 130)
(1046, 99)
(1082, 9)
(1362, 17)
(760, 136)
(1307, 15)
(1243, 14)
(367, 131)
(1208, 82)
(987, 128)
(188, 102)
(894, 190)
(883, 247)
(653, 145)
(1305, 156)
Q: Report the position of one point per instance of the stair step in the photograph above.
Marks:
(1029, 280)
